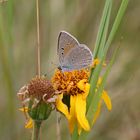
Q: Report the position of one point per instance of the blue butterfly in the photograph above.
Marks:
(72, 54)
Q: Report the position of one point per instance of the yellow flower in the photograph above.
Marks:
(72, 89)
(76, 113)
(66, 82)
(74, 86)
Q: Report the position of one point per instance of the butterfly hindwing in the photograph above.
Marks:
(78, 58)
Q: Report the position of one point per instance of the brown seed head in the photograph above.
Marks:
(39, 86)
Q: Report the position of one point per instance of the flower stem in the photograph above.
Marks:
(36, 130)
(38, 38)
(58, 126)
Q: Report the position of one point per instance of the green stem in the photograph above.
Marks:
(36, 130)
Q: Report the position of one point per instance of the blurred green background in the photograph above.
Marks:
(81, 18)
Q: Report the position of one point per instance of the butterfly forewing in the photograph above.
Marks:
(65, 43)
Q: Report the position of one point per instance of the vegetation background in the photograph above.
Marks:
(81, 18)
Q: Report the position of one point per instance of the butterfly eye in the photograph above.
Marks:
(62, 48)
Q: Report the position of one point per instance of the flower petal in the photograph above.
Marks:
(84, 86)
(24, 109)
(95, 63)
(72, 119)
(81, 84)
(29, 124)
(79, 129)
(107, 100)
(62, 107)
(81, 112)
(99, 81)
(97, 113)
(87, 87)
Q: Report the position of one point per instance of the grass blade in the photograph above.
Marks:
(101, 28)
(116, 24)
(93, 107)
(95, 73)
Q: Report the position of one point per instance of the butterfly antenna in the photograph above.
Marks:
(54, 64)
(51, 70)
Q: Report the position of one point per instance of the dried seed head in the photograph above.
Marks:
(40, 86)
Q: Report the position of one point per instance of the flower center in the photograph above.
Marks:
(66, 82)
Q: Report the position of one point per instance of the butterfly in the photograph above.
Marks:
(72, 55)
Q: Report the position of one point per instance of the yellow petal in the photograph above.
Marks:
(72, 119)
(24, 109)
(83, 85)
(97, 113)
(104, 64)
(62, 107)
(81, 112)
(95, 62)
(79, 129)
(99, 81)
(107, 100)
(87, 87)
(72, 123)
(29, 124)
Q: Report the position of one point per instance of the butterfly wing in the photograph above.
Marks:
(65, 43)
(78, 58)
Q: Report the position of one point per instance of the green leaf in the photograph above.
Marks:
(75, 134)
(93, 107)
(95, 74)
(116, 24)
(101, 48)
(101, 28)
